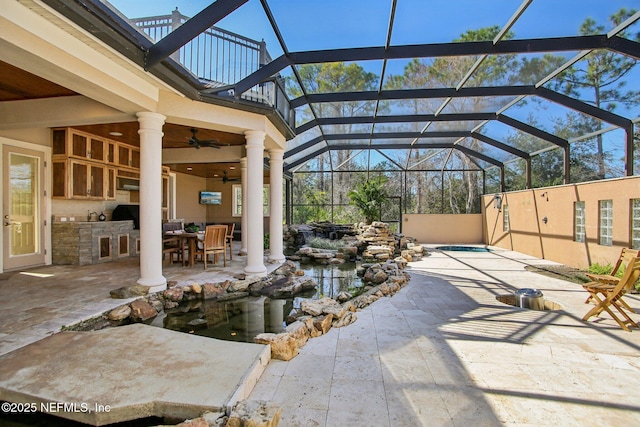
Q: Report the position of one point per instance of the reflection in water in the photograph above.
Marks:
(242, 319)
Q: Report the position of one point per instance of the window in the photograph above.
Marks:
(579, 222)
(606, 222)
(237, 200)
(635, 223)
(505, 218)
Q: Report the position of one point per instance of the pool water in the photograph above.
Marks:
(244, 318)
(463, 248)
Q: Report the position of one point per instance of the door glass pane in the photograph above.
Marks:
(23, 204)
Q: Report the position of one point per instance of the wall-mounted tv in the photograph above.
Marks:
(210, 198)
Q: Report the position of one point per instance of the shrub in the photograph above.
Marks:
(322, 243)
(596, 268)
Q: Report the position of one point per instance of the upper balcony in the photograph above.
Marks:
(220, 58)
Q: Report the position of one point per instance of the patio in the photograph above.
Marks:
(443, 351)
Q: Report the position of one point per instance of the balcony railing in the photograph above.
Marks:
(221, 58)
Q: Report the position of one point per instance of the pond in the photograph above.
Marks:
(244, 318)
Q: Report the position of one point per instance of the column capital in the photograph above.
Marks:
(148, 119)
(276, 153)
(255, 137)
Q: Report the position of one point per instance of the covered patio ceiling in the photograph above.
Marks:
(392, 120)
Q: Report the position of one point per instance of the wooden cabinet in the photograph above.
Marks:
(87, 180)
(110, 184)
(86, 166)
(59, 181)
(111, 152)
(128, 156)
(72, 143)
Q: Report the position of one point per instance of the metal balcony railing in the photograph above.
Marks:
(221, 58)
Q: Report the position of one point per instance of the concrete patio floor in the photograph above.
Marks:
(444, 352)
(441, 352)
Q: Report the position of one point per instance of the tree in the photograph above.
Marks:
(598, 79)
(368, 197)
(329, 78)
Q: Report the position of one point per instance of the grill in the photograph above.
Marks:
(127, 213)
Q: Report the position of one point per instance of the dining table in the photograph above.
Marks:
(190, 240)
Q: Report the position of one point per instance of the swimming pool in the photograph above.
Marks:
(463, 248)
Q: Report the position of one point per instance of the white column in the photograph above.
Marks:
(151, 201)
(275, 219)
(255, 217)
(243, 221)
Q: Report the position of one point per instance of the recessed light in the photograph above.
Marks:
(189, 168)
(232, 167)
(115, 133)
(215, 175)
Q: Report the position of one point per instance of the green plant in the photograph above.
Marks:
(322, 243)
(266, 241)
(368, 197)
(596, 268)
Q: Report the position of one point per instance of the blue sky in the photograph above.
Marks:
(314, 24)
(328, 24)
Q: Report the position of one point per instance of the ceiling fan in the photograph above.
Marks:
(197, 143)
(226, 179)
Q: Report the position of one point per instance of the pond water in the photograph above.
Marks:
(242, 319)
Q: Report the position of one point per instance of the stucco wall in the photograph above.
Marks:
(554, 240)
(188, 205)
(434, 228)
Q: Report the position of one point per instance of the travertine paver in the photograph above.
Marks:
(130, 372)
(444, 352)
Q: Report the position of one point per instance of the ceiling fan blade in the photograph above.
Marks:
(209, 144)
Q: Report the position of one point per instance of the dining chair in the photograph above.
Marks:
(172, 244)
(214, 243)
(229, 238)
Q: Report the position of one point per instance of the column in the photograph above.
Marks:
(275, 219)
(151, 201)
(253, 211)
(243, 221)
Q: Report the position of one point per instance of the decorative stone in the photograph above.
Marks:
(196, 288)
(142, 310)
(172, 283)
(286, 269)
(211, 290)
(379, 277)
(343, 296)
(345, 320)
(129, 292)
(232, 295)
(298, 331)
(156, 304)
(119, 313)
(173, 294)
(322, 324)
(242, 285)
(195, 422)
(254, 413)
(170, 304)
(283, 346)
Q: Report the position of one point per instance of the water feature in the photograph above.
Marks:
(244, 318)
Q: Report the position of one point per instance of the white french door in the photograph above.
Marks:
(22, 207)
